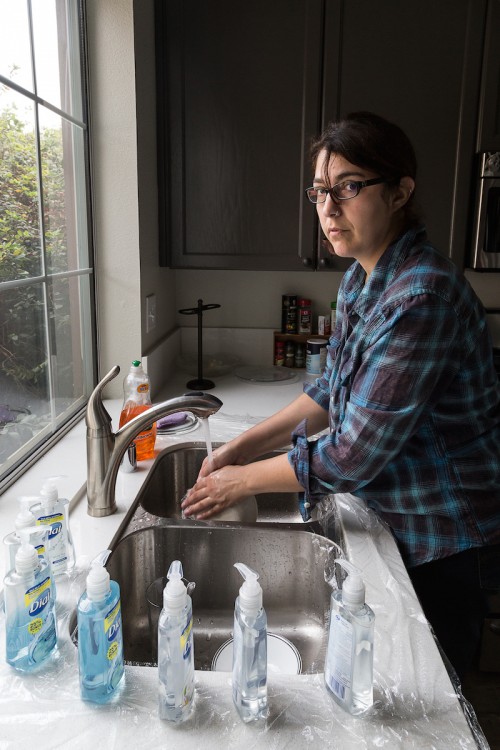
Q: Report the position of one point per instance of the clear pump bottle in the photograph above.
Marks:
(38, 537)
(100, 636)
(349, 659)
(31, 629)
(250, 649)
(137, 399)
(52, 512)
(175, 649)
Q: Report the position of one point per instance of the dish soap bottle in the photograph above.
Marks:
(31, 630)
(38, 536)
(53, 512)
(250, 649)
(100, 637)
(136, 399)
(175, 649)
(349, 658)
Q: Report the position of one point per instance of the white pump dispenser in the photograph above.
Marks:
(250, 649)
(100, 636)
(31, 634)
(25, 519)
(349, 658)
(53, 512)
(175, 649)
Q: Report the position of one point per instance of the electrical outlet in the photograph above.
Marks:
(150, 312)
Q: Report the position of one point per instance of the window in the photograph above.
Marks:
(46, 278)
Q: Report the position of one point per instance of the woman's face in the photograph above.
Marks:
(361, 227)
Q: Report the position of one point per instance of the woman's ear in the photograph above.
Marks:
(401, 194)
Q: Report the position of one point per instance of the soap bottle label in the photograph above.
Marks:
(112, 629)
(56, 541)
(339, 662)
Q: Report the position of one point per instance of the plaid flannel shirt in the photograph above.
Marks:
(414, 404)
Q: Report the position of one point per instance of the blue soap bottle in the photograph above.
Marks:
(100, 637)
(31, 628)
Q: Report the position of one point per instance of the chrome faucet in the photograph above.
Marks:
(106, 448)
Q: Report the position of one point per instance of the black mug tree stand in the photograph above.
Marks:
(200, 383)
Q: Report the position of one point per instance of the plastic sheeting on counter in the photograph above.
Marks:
(416, 705)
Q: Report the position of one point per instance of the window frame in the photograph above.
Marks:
(61, 424)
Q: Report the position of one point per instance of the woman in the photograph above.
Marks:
(409, 391)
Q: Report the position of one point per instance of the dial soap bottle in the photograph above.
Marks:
(38, 534)
(349, 658)
(250, 649)
(53, 512)
(31, 630)
(175, 649)
(100, 637)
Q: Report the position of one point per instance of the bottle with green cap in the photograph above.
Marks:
(136, 399)
(250, 649)
(349, 657)
(175, 649)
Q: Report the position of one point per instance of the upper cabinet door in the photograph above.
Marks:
(416, 63)
(489, 114)
(238, 103)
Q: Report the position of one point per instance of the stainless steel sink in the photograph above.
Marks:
(175, 471)
(291, 565)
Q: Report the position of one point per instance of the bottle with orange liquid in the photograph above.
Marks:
(137, 398)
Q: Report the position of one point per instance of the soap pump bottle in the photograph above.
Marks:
(250, 649)
(175, 649)
(53, 512)
(100, 637)
(137, 399)
(38, 537)
(31, 629)
(349, 658)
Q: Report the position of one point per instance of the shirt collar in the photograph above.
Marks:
(360, 297)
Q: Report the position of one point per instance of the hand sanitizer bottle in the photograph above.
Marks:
(349, 658)
(38, 537)
(31, 630)
(250, 649)
(52, 512)
(100, 637)
(175, 649)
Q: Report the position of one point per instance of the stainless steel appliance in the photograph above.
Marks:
(486, 238)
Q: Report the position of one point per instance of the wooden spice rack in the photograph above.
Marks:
(297, 338)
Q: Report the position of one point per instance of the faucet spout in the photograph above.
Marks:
(105, 448)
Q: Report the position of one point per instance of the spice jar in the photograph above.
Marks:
(305, 316)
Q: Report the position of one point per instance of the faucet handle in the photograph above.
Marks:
(96, 416)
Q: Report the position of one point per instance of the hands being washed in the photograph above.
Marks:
(215, 492)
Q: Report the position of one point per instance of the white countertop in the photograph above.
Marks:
(416, 706)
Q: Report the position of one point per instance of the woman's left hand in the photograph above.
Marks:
(215, 492)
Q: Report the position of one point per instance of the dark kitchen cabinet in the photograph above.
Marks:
(238, 101)
(489, 111)
(244, 87)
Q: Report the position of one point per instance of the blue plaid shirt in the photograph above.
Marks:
(414, 404)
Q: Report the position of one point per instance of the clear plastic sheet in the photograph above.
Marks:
(416, 705)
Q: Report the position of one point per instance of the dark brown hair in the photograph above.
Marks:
(373, 143)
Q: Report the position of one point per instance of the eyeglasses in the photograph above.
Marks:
(342, 191)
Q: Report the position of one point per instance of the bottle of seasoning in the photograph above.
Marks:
(289, 313)
(289, 354)
(333, 315)
(279, 353)
(300, 355)
(304, 316)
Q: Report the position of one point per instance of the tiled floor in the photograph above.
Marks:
(482, 690)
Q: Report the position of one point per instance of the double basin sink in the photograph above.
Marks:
(294, 560)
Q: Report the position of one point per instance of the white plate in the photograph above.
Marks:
(282, 656)
(267, 375)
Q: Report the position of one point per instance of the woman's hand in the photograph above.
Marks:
(215, 492)
(226, 455)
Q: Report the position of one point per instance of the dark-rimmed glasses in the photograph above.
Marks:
(342, 191)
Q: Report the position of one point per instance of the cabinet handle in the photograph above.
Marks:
(307, 262)
(324, 262)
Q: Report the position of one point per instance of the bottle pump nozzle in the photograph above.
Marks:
(353, 588)
(251, 591)
(98, 577)
(26, 556)
(175, 592)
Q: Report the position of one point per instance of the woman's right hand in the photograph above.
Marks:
(228, 454)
